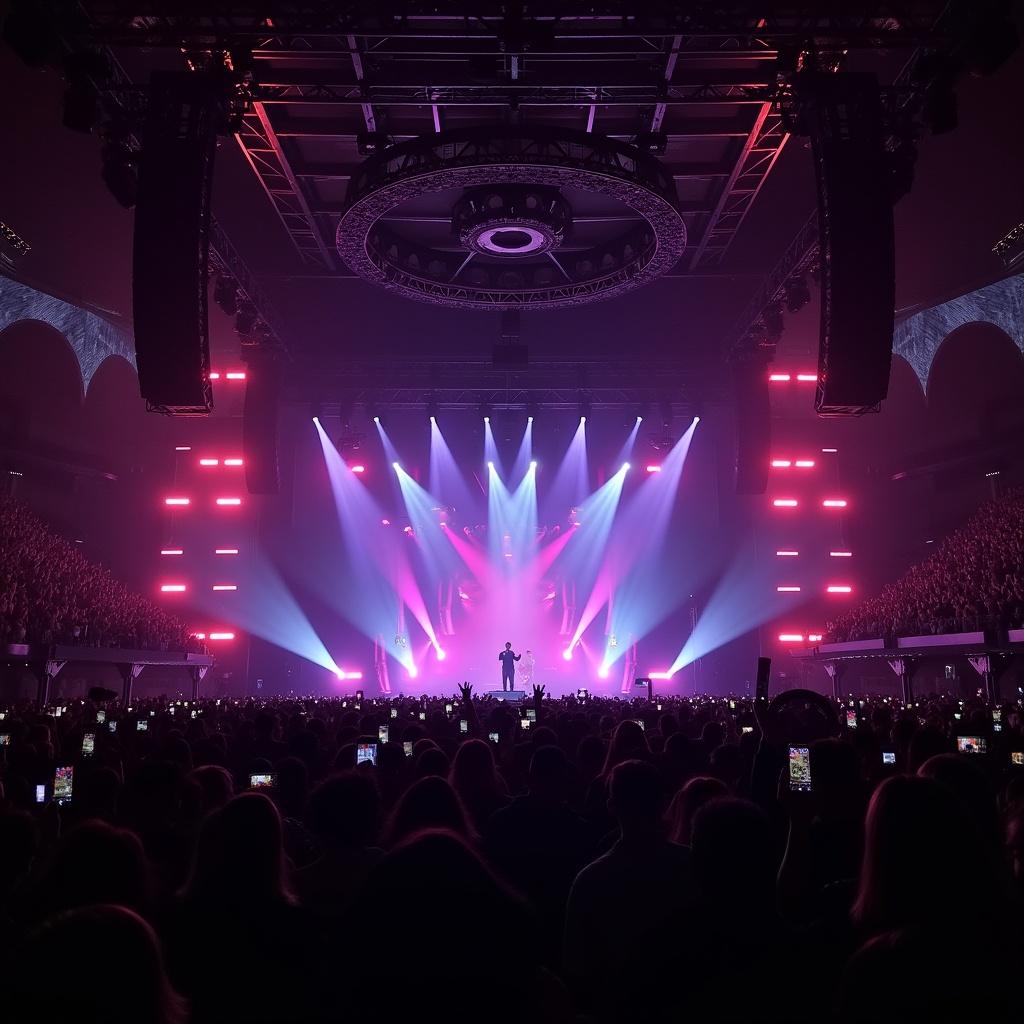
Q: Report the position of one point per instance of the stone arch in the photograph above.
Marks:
(40, 383)
(974, 383)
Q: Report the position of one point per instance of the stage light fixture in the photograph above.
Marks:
(177, 501)
(441, 653)
(696, 420)
(567, 654)
(172, 588)
(490, 464)
(804, 463)
(806, 378)
(789, 553)
(796, 294)
(785, 502)
(233, 462)
(172, 551)
(183, 448)
(840, 554)
(225, 294)
(533, 464)
(214, 375)
(830, 451)
(413, 672)
(376, 419)
(225, 551)
(395, 466)
(788, 590)
(602, 672)
(625, 467)
(839, 588)
(368, 143)
(781, 463)
(834, 503)
(225, 586)
(229, 501)
(778, 378)
(815, 637)
(209, 462)
(358, 468)
(222, 636)
(653, 468)
(791, 638)
(385, 522)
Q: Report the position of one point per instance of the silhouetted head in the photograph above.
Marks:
(473, 769)
(429, 803)
(215, 786)
(688, 801)
(549, 771)
(508, 646)
(433, 761)
(628, 741)
(63, 972)
(918, 839)
(97, 863)
(239, 858)
(344, 810)
(962, 777)
(734, 857)
(636, 797)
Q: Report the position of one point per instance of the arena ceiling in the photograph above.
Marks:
(323, 89)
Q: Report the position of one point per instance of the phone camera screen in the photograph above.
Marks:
(63, 781)
(366, 753)
(800, 769)
(971, 744)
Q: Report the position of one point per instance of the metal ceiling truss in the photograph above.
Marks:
(142, 23)
(473, 384)
(324, 72)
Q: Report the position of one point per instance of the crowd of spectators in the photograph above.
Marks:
(426, 859)
(973, 581)
(51, 593)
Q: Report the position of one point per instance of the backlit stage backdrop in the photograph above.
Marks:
(418, 545)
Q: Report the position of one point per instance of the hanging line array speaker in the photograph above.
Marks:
(171, 243)
(843, 115)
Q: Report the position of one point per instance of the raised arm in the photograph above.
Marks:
(517, 656)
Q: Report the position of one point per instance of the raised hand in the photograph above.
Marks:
(466, 691)
(538, 692)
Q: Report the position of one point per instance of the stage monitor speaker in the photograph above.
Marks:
(260, 426)
(171, 245)
(753, 425)
(843, 113)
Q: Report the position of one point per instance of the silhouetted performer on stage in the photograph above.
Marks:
(508, 667)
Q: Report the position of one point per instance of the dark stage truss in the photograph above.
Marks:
(657, 389)
(321, 85)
